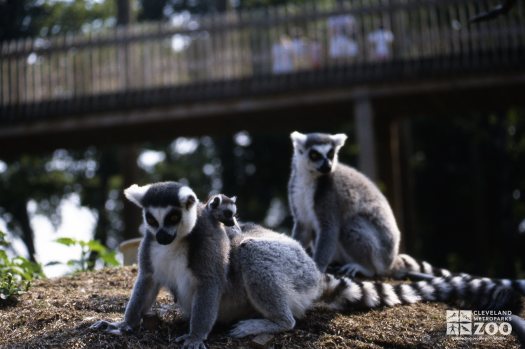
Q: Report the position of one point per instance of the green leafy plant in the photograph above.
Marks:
(88, 248)
(16, 273)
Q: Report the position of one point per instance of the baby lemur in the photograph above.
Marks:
(261, 279)
(223, 209)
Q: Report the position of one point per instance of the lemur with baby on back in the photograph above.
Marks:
(260, 279)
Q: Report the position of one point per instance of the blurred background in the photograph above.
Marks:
(96, 95)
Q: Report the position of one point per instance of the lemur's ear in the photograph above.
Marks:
(187, 197)
(298, 139)
(339, 139)
(215, 202)
(233, 199)
(135, 193)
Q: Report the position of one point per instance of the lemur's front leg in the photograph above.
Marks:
(325, 244)
(204, 312)
(143, 296)
(302, 234)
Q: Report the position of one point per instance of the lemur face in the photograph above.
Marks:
(223, 208)
(169, 209)
(316, 152)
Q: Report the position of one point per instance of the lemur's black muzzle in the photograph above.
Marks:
(228, 219)
(229, 222)
(326, 167)
(164, 238)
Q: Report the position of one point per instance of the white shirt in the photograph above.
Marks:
(381, 39)
(282, 57)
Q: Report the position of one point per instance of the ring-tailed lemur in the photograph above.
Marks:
(224, 209)
(260, 277)
(345, 215)
(186, 250)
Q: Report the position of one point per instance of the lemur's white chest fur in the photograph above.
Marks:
(170, 265)
(303, 200)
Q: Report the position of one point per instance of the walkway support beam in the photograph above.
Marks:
(364, 121)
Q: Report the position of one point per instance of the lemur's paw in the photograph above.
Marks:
(244, 328)
(99, 325)
(118, 328)
(190, 342)
(352, 269)
(349, 270)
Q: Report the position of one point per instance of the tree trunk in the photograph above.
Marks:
(123, 12)
(22, 217)
(221, 5)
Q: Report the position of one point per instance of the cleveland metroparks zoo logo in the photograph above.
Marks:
(478, 322)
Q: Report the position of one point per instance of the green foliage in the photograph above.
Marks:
(32, 178)
(20, 18)
(15, 273)
(153, 10)
(249, 4)
(30, 18)
(76, 15)
(87, 248)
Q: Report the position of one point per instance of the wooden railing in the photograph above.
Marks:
(367, 40)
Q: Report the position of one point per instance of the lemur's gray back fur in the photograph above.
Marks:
(263, 279)
(348, 196)
(282, 282)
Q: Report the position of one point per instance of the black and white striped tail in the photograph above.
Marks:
(517, 285)
(408, 266)
(484, 294)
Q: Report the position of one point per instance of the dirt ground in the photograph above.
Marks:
(57, 313)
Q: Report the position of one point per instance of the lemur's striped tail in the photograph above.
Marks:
(517, 285)
(406, 265)
(484, 294)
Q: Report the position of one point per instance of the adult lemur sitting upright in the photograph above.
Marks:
(345, 215)
(259, 278)
(340, 210)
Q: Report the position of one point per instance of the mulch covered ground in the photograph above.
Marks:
(57, 313)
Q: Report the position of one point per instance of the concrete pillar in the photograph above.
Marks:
(364, 120)
(397, 170)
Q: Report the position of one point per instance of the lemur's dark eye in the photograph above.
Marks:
(331, 154)
(314, 155)
(151, 220)
(172, 218)
(215, 202)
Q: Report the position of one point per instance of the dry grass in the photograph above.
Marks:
(57, 313)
